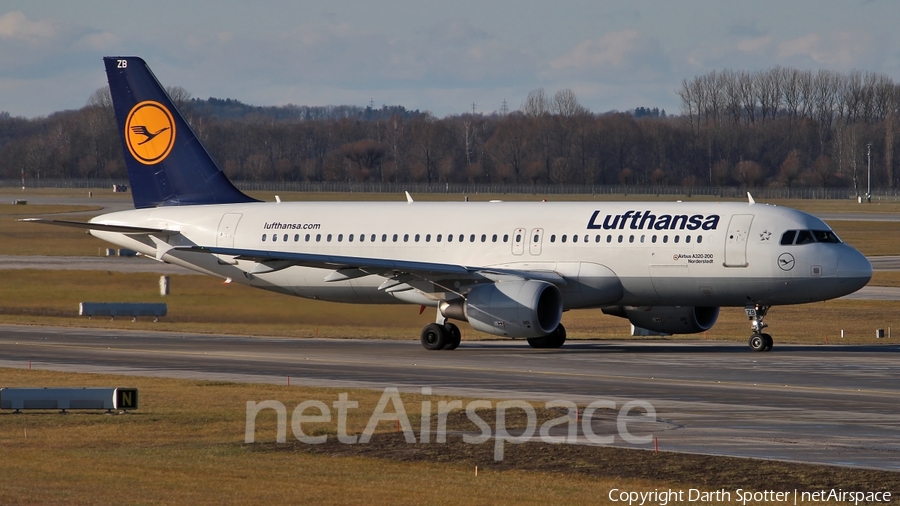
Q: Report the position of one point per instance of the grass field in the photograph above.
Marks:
(185, 445)
(204, 304)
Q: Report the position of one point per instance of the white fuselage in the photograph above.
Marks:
(663, 254)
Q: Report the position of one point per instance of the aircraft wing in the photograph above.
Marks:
(348, 267)
(122, 229)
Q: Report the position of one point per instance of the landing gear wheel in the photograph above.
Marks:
(434, 337)
(553, 340)
(757, 342)
(454, 336)
(559, 337)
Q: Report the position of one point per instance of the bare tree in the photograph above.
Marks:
(536, 104)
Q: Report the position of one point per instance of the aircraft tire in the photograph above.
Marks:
(434, 337)
(757, 342)
(454, 336)
(553, 340)
(559, 337)
(769, 341)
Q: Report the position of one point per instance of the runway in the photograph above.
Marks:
(822, 404)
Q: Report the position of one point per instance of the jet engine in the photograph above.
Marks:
(526, 308)
(668, 319)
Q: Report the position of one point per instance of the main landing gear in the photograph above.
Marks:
(436, 336)
(759, 341)
(553, 340)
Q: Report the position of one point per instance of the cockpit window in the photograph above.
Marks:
(826, 236)
(805, 237)
(809, 237)
(787, 238)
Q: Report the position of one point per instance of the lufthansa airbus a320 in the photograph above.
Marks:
(509, 269)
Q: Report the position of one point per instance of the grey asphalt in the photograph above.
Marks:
(822, 404)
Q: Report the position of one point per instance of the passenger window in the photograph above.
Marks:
(494, 238)
(296, 237)
(787, 238)
(449, 237)
(665, 239)
(417, 237)
(687, 239)
(372, 238)
(285, 238)
(427, 237)
(597, 238)
(699, 239)
(328, 238)
(505, 237)
(564, 238)
(472, 238)
(483, 237)
(653, 239)
(383, 237)
(362, 237)
(350, 238)
(586, 238)
(575, 238)
(264, 238)
(438, 238)
(274, 237)
(340, 237)
(394, 238)
(609, 238)
(620, 239)
(318, 237)
(805, 237)
(307, 238)
(405, 237)
(642, 238)
(677, 237)
(518, 237)
(552, 238)
(462, 238)
(630, 238)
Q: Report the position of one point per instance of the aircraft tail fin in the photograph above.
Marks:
(167, 165)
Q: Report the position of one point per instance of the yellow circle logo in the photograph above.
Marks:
(150, 132)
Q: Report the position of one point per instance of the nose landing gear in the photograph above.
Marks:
(759, 341)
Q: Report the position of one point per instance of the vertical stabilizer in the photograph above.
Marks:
(167, 164)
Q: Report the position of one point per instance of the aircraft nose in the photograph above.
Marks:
(854, 270)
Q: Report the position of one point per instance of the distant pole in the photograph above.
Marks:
(869, 188)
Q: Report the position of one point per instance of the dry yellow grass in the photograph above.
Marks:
(203, 304)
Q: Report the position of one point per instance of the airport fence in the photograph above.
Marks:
(495, 189)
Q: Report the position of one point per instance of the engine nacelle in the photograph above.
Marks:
(525, 308)
(668, 319)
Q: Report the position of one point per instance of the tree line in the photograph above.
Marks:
(776, 127)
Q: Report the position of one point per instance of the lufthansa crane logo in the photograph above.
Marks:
(786, 261)
(150, 132)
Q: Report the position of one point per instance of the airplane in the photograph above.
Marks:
(508, 268)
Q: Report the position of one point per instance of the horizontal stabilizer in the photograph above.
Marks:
(122, 229)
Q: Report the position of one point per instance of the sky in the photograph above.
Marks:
(435, 56)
